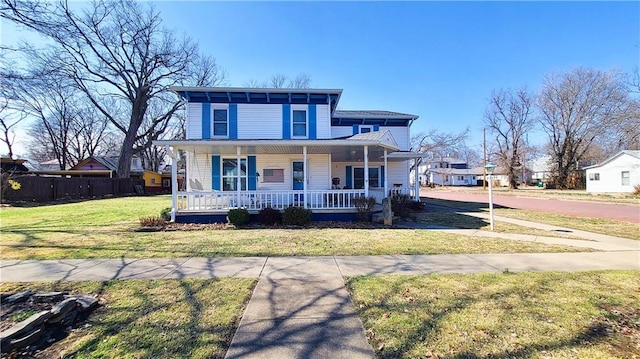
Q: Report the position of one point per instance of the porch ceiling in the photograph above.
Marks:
(339, 152)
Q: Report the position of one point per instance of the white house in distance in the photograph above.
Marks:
(448, 172)
(257, 148)
(619, 173)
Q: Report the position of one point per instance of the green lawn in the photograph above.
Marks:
(523, 315)
(105, 229)
(596, 225)
(189, 318)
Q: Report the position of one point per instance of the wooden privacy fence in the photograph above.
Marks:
(44, 189)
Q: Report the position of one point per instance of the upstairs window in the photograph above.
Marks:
(365, 129)
(299, 123)
(594, 176)
(220, 123)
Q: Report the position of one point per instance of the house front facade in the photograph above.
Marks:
(256, 148)
(619, 173)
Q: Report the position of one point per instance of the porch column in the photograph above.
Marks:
(174, 182)
(416, 182)
(386, 187)
(239, 181)
(366, 171)
(304, 171)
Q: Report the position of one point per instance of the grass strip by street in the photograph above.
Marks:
(595, 225)
(188, 318)
(463, 221)
(532, 315)
(104, 229)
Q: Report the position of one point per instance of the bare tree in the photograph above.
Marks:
(577, 107)
(10, 117)
(301, 81)
(438, 144)
(117, 51)
(508, 116)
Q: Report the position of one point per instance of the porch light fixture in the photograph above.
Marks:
(489, 168)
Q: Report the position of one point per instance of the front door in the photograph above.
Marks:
(298, 175)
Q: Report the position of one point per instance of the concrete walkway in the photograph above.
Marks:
(300, 307)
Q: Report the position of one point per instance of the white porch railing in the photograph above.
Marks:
(202, 201)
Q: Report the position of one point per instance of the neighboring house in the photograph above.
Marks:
(501, 179)
(10, 165)
(619, 173)
(159, 182)
(448, 172)
(257, 148)
(101, 166)
(541, 170)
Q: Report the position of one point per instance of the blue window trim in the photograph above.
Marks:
(252, 179)
(349, 176)
(356, 129)
(206, 121)
(233, 121)
(312, 122)
(216, 173)
(286, 121)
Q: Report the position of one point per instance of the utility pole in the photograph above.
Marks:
(484, 156)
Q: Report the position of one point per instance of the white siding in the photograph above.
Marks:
(401, 135)
(199, 168)
(257, 121)
(397, 172)
(323, 122)
(611, 175)
(317, 175)
(194, 121)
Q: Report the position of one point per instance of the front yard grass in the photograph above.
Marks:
(595, 225)
(532, 315)
(105, 229)
(188, 318)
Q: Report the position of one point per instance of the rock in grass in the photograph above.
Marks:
(47, 297)
(19, 297)
(61, 310)
(85, 302)
(25, 326)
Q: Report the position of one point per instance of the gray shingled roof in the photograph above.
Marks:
(370, 114)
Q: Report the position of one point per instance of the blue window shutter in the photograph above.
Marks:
(356, 129)
(381, 184)
(313, 134)
(233, 121)
(348, 176)
(286, 121)
(216, 182)
(376, 128)
(206, 121)
(251, 176)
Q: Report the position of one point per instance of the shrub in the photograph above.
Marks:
(238, 216)
(269, 216)
(400, 205)
(636, 190)
(166, 214)
(416, 206)
(152, 221)
(296, 216)
(364, 205)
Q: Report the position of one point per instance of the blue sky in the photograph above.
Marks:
(438, 60)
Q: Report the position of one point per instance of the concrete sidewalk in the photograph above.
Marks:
(309, 267)
(300, 307)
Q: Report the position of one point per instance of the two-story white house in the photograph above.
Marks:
(257, 148)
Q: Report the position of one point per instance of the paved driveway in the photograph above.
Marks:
(620, 212)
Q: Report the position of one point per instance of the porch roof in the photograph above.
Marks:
(341, 150)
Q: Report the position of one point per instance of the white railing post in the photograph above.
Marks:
(304, 177)
(366, 171)
(238, 180)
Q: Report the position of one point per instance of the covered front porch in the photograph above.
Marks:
(325, 176)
